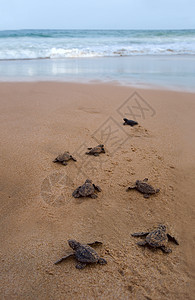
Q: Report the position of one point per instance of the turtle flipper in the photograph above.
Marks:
(89, 148)
(142, 243)
(165, 249)
(146, 196)
(73, 158)
(63, 258)
(96, 243)
(172, 239)
(93, 196)
(145, 179)
(140, 234)
(102, 261)
(97, 188)
(130, 188)
(80, 265)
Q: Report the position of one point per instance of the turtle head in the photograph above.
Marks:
(88, 181)
(162, 227)
(73, 244)
(101, 146)
(125, 119)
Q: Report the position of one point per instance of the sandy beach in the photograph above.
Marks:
(40, 120)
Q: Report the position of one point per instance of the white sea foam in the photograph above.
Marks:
(32, 44)
(54, 52)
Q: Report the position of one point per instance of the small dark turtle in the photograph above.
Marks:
(84, 254)
(86, 190)
(144, 188)
(96, 150)
(157, 238)
(129, 122)
(63, 158)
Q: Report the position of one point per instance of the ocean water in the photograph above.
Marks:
(160, 57)
(29, 44)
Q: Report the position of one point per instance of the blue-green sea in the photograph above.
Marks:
(138, 57)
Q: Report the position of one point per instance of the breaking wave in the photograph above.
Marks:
(42, 44)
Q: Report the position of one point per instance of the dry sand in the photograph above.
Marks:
(38, 214)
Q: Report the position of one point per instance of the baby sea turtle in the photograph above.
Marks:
(129, 122)
(84, 254)
(157, 238)
(96, 150)
(144, 188)
(63, 158)
(86, 190)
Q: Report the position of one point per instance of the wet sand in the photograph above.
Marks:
(38, 213)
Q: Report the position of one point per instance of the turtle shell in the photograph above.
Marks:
(86, 189)
(144, 187)
(157, 238)
(97, 149)
(86, 254)
(63, 157)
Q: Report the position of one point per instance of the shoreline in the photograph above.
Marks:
(106, 56)
(161, 72)
(143, 86)
(39, 120)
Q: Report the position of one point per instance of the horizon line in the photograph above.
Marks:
(93, 29)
